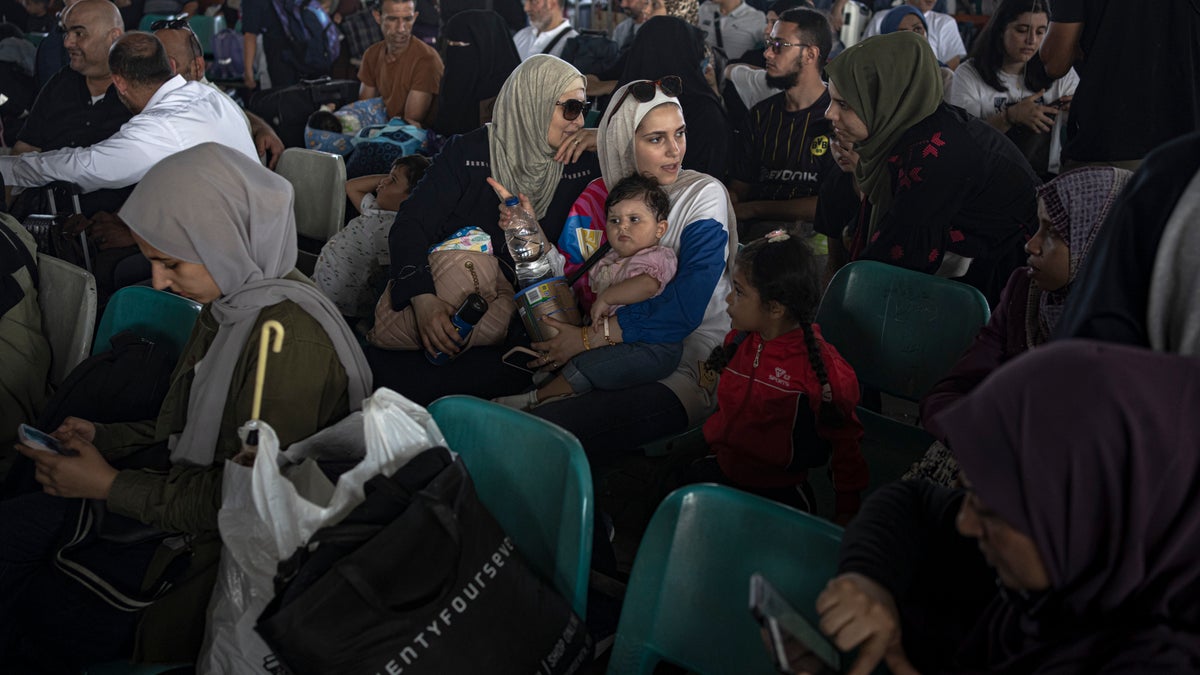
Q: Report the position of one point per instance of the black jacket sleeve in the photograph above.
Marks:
(905, 538)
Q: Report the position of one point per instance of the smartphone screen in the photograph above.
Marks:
(35, 438)
(778, 617)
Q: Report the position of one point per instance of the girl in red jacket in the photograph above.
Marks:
(786, 398)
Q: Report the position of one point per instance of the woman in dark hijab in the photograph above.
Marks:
(1080, 476)
(665, 46)
(949, 194)
(479, 57)
(1139, 284)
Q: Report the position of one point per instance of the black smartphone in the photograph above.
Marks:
(779, 619)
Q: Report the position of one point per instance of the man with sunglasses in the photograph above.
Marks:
(785, 153)
(187, 59)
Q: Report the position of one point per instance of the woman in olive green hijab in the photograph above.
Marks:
(948, 195)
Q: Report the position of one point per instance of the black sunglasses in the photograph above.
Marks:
(573, 108)
(178, 23)
(643, 91)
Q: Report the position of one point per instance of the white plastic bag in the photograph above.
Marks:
(270, 510)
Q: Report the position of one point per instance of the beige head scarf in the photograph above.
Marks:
(522, 159)
(214, 206)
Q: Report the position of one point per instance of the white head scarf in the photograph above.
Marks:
(213, 206)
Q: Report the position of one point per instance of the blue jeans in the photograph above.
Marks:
(621, 366)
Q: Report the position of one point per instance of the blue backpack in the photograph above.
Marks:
(229, 59)
(312, 34)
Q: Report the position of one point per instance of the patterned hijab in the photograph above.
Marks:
(891, 82)
(522, 158)
(235, 217)
(1089, 449)
(1076, 203)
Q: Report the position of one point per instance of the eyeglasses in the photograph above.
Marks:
(177, 23)
(573, 108)
(776, 45)
(643, 91)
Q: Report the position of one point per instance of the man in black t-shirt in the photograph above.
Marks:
(778, 172)
(1139, 75)
(79, 106)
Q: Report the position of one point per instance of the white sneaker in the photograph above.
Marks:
(526, 401)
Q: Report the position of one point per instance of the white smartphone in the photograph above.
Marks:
(778, 618)
(40, 440)
(519, 358)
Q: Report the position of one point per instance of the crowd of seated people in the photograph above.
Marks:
(698, 187)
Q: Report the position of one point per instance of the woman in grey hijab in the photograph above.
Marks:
(218, 228)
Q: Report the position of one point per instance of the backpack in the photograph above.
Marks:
(124, 384)
(313, 36)
(229, 58)
(591, 52)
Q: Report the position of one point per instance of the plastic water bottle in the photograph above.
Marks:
(464, 320)
(526, 246)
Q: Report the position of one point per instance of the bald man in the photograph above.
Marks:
(170, 115)
(78, 107)
(187, 59)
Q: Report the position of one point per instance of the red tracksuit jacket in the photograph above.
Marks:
(757, 399)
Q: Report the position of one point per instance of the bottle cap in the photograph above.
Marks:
(512, 201)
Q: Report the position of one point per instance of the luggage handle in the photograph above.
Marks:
(73, 190)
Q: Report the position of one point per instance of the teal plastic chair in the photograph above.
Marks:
(902, 331)
(36, 38)
(205, 27)
(687, 601)
(534, 478)
(164, 318)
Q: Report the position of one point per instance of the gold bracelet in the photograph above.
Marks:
(587, 345)
(607, 337)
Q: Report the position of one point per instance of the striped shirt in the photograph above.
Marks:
(785, 153)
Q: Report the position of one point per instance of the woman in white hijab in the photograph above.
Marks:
(643, 130)
(219, 228)
(534, 147)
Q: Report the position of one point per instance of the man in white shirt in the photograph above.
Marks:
(170, 115)
(639, 12)
(547, 32)
(187, 60)
(942, 29)
(732, 26)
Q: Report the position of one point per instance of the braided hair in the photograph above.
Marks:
(783, 269)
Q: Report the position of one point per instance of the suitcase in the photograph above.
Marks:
(287, 109)
(47, 229)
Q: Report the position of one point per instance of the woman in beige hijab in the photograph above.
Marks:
(538, 118)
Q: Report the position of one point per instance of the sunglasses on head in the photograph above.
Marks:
(572, 108)
(643, 91)
(776, 45)
(178, 23)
